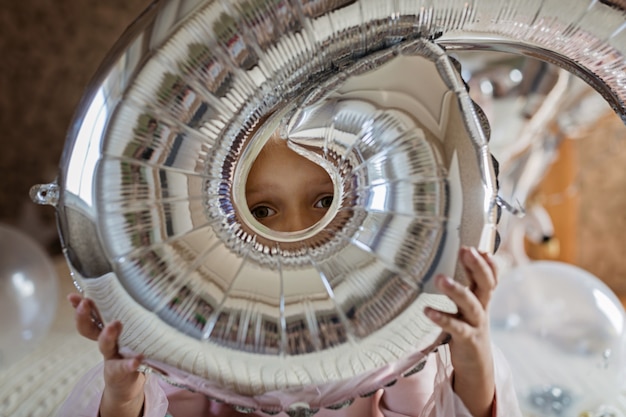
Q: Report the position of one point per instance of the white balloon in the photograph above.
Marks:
(562, 330)
(28, 294)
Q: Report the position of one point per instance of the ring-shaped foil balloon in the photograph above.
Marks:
(153, 197)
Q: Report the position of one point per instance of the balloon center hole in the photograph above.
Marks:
(286, 191)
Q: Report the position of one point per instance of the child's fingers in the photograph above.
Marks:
(469, 308)
(119, 371)
(85, 317)
(119, 368)
(492, 265)
(107, 341)
(455, 327)
(480, 272)
(74, 299)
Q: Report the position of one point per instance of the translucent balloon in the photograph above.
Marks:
(562, 330)
(28, 294)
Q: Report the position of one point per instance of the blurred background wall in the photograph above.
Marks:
(49, 52)
(51, 49)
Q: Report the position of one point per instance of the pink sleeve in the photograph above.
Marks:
(444, 401)
(84, 400)
(429, 393)
(506, 398)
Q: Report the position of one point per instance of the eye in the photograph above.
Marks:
(324, 202)
(261, 212)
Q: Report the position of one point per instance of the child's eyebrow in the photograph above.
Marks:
(316, 183)
(325, 181)
(264, 187)
(258, 189)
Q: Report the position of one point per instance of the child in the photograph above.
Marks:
(285, 191)
(468, 377)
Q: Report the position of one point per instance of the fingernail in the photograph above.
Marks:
(131, 365)
(470, 254)
(443, 281)
(433, 314)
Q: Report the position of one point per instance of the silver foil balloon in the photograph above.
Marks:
(151, 195)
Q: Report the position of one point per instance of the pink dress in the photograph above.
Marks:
(427, 393)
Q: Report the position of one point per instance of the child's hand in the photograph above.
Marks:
(123, 390)
(470, 345)
(86, 316)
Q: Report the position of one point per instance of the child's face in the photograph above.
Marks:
(285, 191)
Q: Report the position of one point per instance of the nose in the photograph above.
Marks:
(299, 219)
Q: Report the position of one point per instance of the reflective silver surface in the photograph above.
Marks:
(151, 197)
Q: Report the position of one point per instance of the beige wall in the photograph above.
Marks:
(585, 194)
(49, 49)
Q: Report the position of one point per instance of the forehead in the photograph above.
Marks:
(276, 154)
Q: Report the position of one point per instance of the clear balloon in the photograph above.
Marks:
(28, 294)
(562, 330)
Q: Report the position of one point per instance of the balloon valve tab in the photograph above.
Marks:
(515, 209)
(45, 194)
